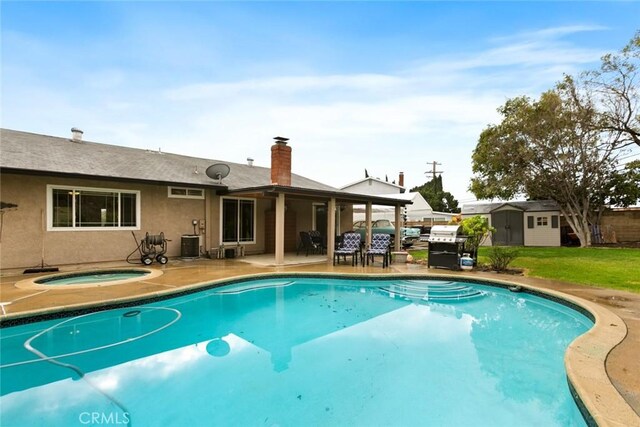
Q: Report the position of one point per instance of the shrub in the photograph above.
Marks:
(477, 229)
(500, 257)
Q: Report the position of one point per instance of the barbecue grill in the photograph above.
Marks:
(446, 245)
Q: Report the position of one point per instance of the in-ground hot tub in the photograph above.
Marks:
(91, 278)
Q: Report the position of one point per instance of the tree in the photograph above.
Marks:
(438, 199)
(567, 145)
(623, 189)
(547, 149)
(615, 88)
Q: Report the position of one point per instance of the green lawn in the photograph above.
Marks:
(614, 268)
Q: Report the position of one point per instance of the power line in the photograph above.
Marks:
(629, 156)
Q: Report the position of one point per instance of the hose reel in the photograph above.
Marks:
(152, 246)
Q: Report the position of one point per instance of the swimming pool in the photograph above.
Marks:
(300, 351)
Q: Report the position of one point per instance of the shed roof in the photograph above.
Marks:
(525, 206)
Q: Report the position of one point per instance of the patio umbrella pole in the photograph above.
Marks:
(43, 267)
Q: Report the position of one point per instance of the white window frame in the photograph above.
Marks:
(186, 196)
(51, 187)
(542, 221)
(255, 220)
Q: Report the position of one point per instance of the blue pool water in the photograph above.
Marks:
(91, 277)
(299, 351)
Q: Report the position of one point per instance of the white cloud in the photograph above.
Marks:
(339, 124)
(551, 32)
(284, 85)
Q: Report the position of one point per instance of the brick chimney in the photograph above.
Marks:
(281, 162)
(401, 179)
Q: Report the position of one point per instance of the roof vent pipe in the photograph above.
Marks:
(249, 161)
(76, 135)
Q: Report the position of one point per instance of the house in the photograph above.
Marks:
(80, 201)
(519, 223)
(418, 211)
(373, 186)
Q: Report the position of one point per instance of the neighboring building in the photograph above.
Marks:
(530, 223)
(80, 201)
(414, 212)
(375, 186)
(418, 211)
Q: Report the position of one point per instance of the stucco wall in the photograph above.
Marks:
(346, 219)
(23, 233)
(304, 214)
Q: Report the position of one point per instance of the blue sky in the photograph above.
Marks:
(386, 86)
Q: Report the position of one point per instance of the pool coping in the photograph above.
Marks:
(585, 358)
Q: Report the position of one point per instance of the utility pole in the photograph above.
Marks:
(434, 166)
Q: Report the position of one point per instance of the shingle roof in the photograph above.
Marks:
(526, 206)
(41, 153)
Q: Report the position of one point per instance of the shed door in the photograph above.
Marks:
(509, 227)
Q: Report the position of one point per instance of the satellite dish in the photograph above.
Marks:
(218, 171)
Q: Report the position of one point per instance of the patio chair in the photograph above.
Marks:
(306, 244)
(317, 239)
(380, 244)
(350, 246)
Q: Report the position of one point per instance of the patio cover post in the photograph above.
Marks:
(331, 227)
(367, 218)
(398, 236)
(280, 208)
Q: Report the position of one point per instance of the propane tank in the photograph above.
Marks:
(466, 262)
